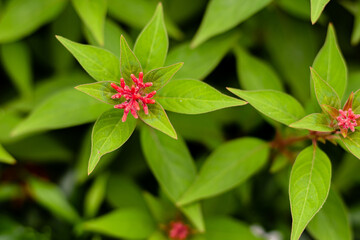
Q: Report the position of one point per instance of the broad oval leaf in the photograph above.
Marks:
(152, 44)
(161, 76)
(277, 105)
(191, 96)
(5, 157)
(99, 63)
(309, 187)
(332, 221)
(129, 223)
(20, 18)
(352, 143)
(129, 64)
(317, 6)
(222, 15)
(109, 133)
(330, 64)
(158, 119)
(93, 14)
(231, 164)
(102, 91)
(314, 122)
(66, 108)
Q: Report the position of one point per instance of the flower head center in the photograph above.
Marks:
(178, 230)
(347, 119)
(134, 96)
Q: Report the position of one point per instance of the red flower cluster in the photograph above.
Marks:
(134, 96)
(347, 119)
(178, 230)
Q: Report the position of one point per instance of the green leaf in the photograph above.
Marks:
(300, 8)
(50, 197)
(95, 196)
(64, 109)
(129, 223)
(277, 105)
(356, 102)
(325, 94)
(352, 143)
(109, 133)
(317, 6)
(191, 96)
(99, 63)
(158, 119)
(231, 164)
(330, 64)
(152, 44)
(355, 36)
(254, 73)
(19, 18)
(161, 76)
(314, 122)
(102, 91)
(309, 187)
(199, 62)
(93, 14)
(194, 213)
(16, 56)
(129, 64)
(5, 157)
(331, 222)
(222, 15)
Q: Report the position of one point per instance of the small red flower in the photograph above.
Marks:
(347, 119)
(134, 96)
(178, 230)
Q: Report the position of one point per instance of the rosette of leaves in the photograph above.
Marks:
(188, 96)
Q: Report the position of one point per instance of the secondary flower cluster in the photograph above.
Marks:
(134, 96)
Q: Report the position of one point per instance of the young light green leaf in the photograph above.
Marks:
(16, 56)
(309, 187)
(20, 18)
(314, 122)
(199, 62)
(129, 64)
(99, 63)
(93, 14)
(356, 102)
(254, 73)
(5, 157)
(330, 64)
(95, 196)
(230, 165)
(129, 223)
(332, 221)
(352, 143)
(158, 119)
(102, 91)
(277, 105)
(317, 6)
(161, 76)
(50, 197)
(222, 15)
(64, 109)
(152, 44)
(191, 96)
(109, 133)
(325, 94)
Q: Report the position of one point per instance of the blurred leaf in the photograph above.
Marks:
(99, 63)
(229, 165)
(314, 122)
(279, 162)
(199, 62)
(352, 143)
(222, 15)
(194, 213)
(276, 105)
(65, 109)
(9, 191)
(5, 157)
(16, 56)
(129, 64)
(101, 91)
(355, 36)
(152, 43)
(50, 197)
(346, 174)
(182, 11)
(299, 8)
(158, 119)
(356, 102)
(157, 236)
(8, 121)
(129, 223)
(332, 221)
(95, 196)
(162, 211)
(309, 187)
(317, 6)
(190, 96)
(22, 17)
(330, 64)
(109, 133)
(254, 73)
(93, 14)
